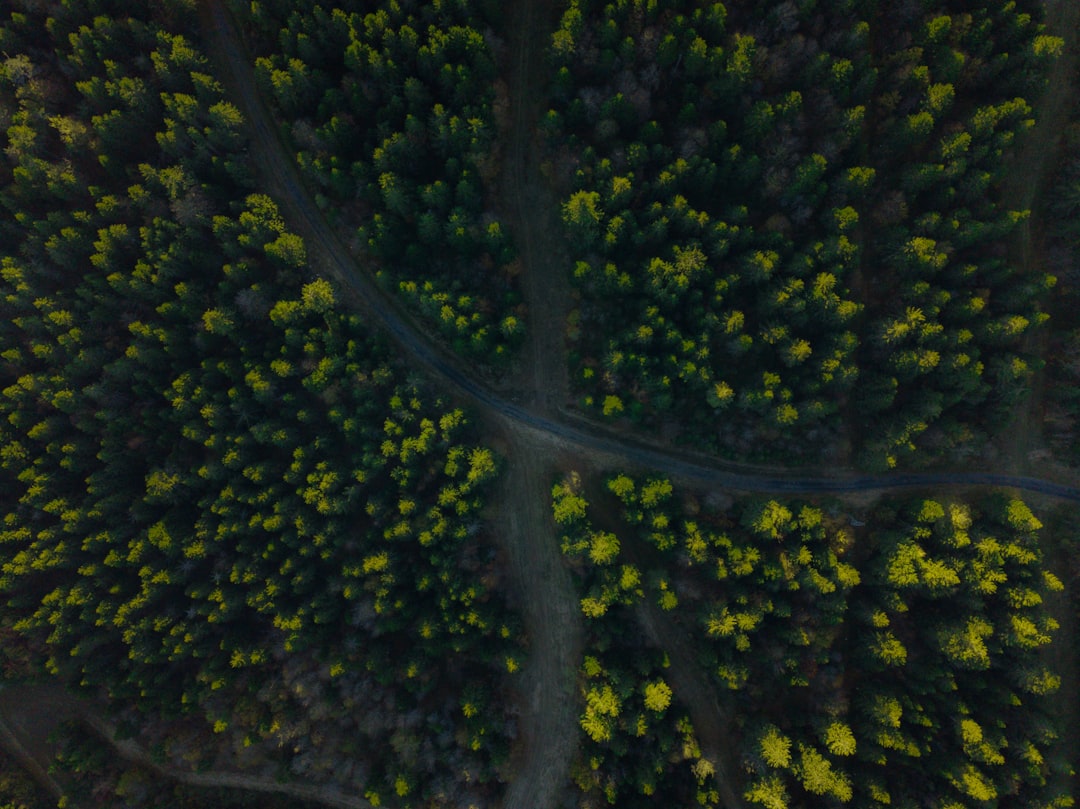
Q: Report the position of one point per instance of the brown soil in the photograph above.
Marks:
(547, 688)
(549, 603)
(531, 208)
(30, 713)
(1024, 447)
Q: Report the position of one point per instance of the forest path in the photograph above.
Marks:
(279, 177)
(28, 715)
(32, 712)
(1028, 173)
(531, 208)
(711, 716)
(554, 625)
(690, 683)
(1062, 656)
(220, 780)
(547, 690)
(533, 437)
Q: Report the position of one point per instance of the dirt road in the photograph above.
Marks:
(1027, 175)
(280, 178)
(536, 433)
(554, 624)
(32, 712)
(532, 210)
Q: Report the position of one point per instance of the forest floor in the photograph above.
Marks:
(28, 715)
(547, 692)
(32, 713)
(1024, 444)
(522, 514)
(548, 696)
(712, 719)
(531, 208)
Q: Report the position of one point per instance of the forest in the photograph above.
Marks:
(272, 553)
(216, 477)
(786, 229)
(393, 115)
(896, 663)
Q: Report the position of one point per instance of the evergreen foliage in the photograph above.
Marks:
(895, 667)
(226, 507)
(639, 745)
(231, 513)
(785, 224)
(391, 111)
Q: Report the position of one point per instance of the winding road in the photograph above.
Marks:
(537, 435)
(281, 179)
(536, 432)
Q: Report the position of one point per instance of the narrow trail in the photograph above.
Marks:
(1028, 172)
(531, 208)
(549, 601)
(1062, 657)
(1024, 443)
(536, 436)
(554, 625)
(17, 739)
(712, 722)
(30, 713)
(220, 780)
(537, 432)
(280, 178)
(712, 719)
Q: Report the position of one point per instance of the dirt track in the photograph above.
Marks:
(531, 208)
(553, 621)
(33, 712)
(536, 436)
(280, 178)
(692, 686)
(1027, 176)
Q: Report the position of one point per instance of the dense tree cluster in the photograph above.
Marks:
(94, 776)
(1059, 239)
(900, 667)
(391, 114)
(788, 214)
(639, 744)
(225, 506)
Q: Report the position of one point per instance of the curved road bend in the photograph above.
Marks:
(221, 780)
(553, 622)
(527, 430)
(281, 175)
